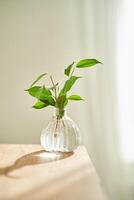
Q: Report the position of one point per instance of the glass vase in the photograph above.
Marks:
(61, 134)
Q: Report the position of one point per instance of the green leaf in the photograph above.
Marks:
(68, 69)
(87, 63)
(39, 91)
(38, 78)
(75, 97)
(39, 105)
(34, 91)
(68, 84)
(48, 100)
(42, 93)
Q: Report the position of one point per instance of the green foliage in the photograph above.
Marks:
(39, 105)
(55, 95)
(38, 78)
(39, 92)
(67, 71)
(43, 94)
(68, 84)
(87, 63)
(75, 97)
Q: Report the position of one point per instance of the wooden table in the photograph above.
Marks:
(27, 172)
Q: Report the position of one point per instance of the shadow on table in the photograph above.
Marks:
(38, 157)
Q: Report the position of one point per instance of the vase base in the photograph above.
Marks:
(65, 150)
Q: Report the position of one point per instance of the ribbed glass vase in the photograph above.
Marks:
(61, 134)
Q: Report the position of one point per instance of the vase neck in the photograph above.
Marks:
(60, 112)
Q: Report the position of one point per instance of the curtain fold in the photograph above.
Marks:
(99, 38)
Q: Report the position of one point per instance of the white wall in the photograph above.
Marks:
(36, 36)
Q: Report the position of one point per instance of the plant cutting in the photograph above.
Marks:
(61, 133)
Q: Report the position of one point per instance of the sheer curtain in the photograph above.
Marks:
(107, 33)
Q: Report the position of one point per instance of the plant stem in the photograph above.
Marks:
(55, 92)
(60, 112)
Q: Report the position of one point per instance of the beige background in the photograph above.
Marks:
(36, 37)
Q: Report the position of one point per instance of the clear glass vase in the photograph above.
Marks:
(61, 133)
